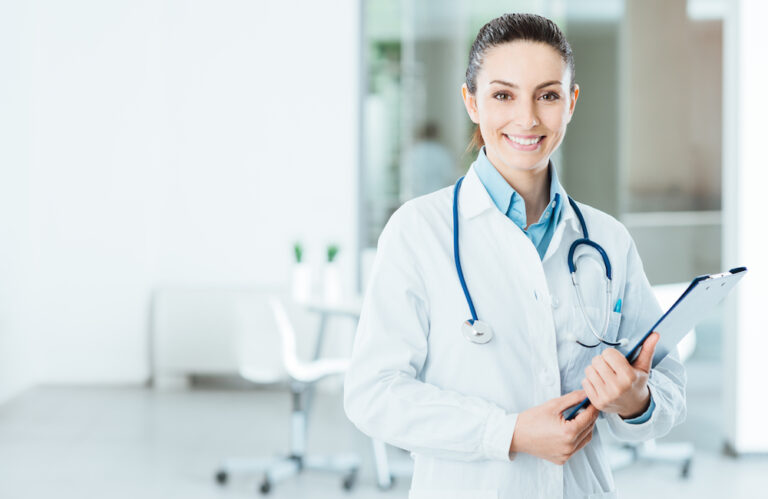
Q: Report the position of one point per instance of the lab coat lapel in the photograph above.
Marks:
(475, 201)
(473, 198)
(569, 222)
(517, 264)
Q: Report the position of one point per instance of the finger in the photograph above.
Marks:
(562, 403)
(643, 361)
(585, 439)
(617, 361)
(591, 392)
(606, 372)
(586, 419)
(592, 375)
(608, 353)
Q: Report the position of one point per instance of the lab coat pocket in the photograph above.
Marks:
(579, 356)
(614, 322)
(453, 494)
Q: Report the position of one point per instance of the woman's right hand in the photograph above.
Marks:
(543, 431)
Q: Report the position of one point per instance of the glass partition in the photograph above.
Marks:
(644, 143)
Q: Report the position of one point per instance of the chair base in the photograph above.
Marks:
(277, 469)
(675, 453)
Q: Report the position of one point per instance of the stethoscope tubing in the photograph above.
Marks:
(571, 267)
(456, 257)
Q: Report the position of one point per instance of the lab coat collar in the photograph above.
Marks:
(568, 214)
(475, 200)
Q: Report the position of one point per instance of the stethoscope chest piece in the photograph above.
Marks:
(478, 332)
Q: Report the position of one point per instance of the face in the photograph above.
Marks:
(522, 104)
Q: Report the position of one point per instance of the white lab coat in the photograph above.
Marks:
(417, 383)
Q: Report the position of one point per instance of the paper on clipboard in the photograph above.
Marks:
(703, 294)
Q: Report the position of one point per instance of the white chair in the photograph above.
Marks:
(621, 455)
(301, 376)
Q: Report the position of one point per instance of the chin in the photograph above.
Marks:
(523, 161)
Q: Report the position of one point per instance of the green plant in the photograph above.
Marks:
(298, 250)
(333, 250)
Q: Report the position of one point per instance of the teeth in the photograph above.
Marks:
(525, 142)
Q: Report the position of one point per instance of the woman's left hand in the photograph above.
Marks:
(614, 385)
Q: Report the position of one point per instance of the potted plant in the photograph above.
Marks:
(302, 275)
(332, 275)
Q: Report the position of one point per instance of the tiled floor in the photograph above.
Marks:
(136, 443)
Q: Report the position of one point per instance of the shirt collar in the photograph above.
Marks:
(474, 200)
(504, 196)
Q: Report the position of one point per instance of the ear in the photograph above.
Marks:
(470, 102)
(574, 98)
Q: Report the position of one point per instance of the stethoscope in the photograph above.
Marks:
(480, 332)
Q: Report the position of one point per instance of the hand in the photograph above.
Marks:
(543, 431)
(614, 385)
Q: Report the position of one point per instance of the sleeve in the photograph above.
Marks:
(384, 395)
(642, 418)
(667, 380)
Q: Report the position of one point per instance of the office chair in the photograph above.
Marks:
(301, 376)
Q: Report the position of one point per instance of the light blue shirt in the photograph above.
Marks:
(642, 418)
(512, 204)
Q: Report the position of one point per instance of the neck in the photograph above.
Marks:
(533, 185)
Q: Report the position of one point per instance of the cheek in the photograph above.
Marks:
(492, 118)
(556, 119)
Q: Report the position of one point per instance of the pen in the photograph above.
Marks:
(617, 308)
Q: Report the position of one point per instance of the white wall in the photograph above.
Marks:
(177, 142)
(744, 237)
(16, 356)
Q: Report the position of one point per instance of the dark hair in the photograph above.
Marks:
(508, 28)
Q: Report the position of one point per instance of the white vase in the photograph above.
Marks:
(302, 282)
(332, 283)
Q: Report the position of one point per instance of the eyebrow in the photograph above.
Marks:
(540, 85)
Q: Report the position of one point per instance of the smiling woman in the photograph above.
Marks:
(483, 417)
(520, 91)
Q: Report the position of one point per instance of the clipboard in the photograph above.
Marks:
(704, 293)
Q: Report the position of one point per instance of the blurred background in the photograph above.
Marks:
(168, 167)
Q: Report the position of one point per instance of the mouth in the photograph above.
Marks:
(524, 142)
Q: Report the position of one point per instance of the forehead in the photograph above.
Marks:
(523, 63)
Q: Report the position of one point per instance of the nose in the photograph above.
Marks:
(525, 115)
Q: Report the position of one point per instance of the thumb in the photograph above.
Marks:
(568, 400)
(645, 358)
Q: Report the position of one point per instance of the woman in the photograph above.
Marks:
(483, 419)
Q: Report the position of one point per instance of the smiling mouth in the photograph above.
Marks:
(524, 141)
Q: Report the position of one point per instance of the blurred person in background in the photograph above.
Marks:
(427, 165)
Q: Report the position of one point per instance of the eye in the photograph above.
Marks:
(502, 96)
(550, 96)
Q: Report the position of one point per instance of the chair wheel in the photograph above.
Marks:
(349, 480)
(265, 486)
(685, 471)
(389, 485)
(221, 477)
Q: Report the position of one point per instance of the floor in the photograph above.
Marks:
(132, 442)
